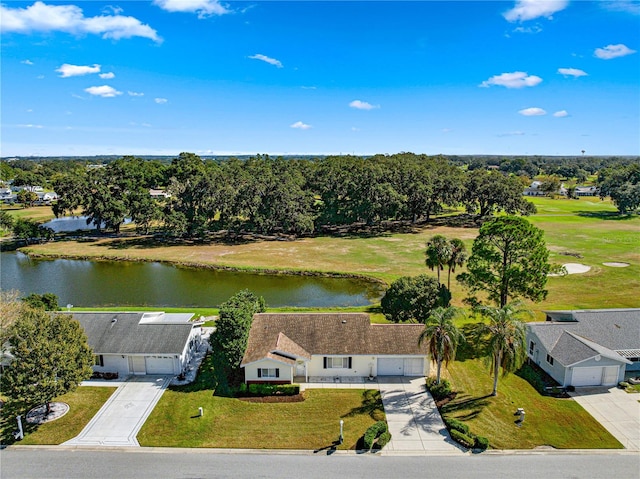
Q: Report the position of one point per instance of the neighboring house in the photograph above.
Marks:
(159, 194)
(586, 347)
(586, 191)
(140, 343)
(282, 347)
(534, 189)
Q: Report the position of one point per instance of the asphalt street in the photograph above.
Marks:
(82, 463)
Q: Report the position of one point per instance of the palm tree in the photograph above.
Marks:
(442, 336)
(458, 257)
(505, 333)
(437, 253)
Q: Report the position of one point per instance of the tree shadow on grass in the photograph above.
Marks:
(371, 405)
(211, 376)
(471, 406)
(471, 347)
(606, 215)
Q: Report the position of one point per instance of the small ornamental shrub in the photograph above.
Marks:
(270, 390)
(481, 443)
(455, 425)
(384, 439)
(373, 433)
(623, 385)
(438, 391)
(462, 438)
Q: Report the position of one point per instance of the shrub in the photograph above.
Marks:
(462, 438)
(438, 391)
(481, 443)
(455, 425)
(384, 439)
(269, 390)
(373, 432)
(623, 385)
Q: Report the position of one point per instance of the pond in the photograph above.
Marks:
(97, 283)
(68, 224)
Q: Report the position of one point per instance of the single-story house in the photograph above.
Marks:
(140, 343)
(586, 347)
(282, 347)
(586, 191)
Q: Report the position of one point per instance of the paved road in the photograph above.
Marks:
(119, 420)
(140, 463)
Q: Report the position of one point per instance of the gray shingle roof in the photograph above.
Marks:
(127, 336)
(574, 336)
(330, 334)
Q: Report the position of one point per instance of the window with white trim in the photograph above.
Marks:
(268, 373)
(550, 359)
(342, 362)
(532, 345)
(98, 360)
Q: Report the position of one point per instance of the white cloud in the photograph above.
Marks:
(446, 130)
(613, 51)
(135, 93)
(66, 70)
(532, 29)
(533, 111)
(107, 76)
(355, 128)
(309, 87)
(264, 58)
(561, 114)
(629, 6)
(512, 133)
(362, 105)
(29, 126)
(574, 72)
(512, 80)
(204, 8)
(160, 101)
(27, 62)
(41, 17)
(530, 9)
(301, 126)
(105, 91)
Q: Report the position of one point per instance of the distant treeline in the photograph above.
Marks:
(294, 195)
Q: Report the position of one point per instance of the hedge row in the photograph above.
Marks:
(460, 432)
(260, 390)
(377, 431)
(438, 391)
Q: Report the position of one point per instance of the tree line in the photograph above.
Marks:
(269, 196)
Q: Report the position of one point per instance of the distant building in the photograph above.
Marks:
(159, 194)
(586, 191)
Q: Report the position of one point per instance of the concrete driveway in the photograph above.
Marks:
(616, 410)
(414, 421)
(118, 421)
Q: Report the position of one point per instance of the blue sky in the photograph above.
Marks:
(525, 77)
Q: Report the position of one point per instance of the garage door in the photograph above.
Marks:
(414, 367)
(159, 364)
(587, 376)
(390, 366)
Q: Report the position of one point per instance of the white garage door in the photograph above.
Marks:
(414, 367)
(587, 376)
(159, 364)
(390, 366)
(610, 375)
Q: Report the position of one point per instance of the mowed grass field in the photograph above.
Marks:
(588, 227)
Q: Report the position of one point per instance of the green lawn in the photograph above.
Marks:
(233, 423)
(560, 423)
(83, 403)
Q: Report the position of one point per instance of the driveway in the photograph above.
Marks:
(414, 421)
(118, 421)
(616, 410)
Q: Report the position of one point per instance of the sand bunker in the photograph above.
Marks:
(574, 268)
(616, 264)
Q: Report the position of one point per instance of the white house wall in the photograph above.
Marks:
(539, 356)
(114, 363)
(251, 371)
(360, 366)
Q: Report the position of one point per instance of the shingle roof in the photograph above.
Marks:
(330, 334)
(574, 336)
(126, 336)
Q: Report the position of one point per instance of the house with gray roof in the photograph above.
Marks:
(285, 347)
(586, 347)
(140, 343)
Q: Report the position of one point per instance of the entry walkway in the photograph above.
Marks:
(414, 421)
(617, 410)
(119, 420)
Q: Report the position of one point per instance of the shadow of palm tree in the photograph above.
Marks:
(371, 405)
(473, 406)
(605, 215)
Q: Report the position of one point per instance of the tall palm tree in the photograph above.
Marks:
(437, 253)
(505, 336)
(442, 336)
(458, 257)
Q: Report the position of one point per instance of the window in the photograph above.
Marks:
(532, 345)
(268, 372)
(343, 362)
(549, 359)
(98, 360)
